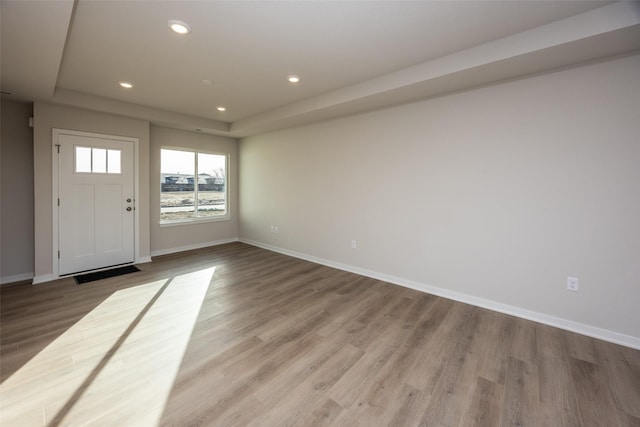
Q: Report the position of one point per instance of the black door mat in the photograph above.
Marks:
(105, 274)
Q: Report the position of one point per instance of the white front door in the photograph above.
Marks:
(96, 202)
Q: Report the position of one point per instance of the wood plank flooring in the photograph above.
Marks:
(239, 336)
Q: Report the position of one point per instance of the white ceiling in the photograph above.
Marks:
(352, 56)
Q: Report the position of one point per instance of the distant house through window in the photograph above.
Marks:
(193, 186)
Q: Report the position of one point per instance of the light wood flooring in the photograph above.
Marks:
(236, 335)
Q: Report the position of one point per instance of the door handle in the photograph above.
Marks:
(128, 200)
(129, 208)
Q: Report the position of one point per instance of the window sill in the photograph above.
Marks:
(194, 221)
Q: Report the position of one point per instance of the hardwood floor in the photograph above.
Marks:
(236, 335)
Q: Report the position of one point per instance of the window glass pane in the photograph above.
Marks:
(99, 161)
(177, 178)
(113, 161)
(211, 185)
(83, 159)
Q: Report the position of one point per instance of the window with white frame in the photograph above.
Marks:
(193, 186)
(97, 160)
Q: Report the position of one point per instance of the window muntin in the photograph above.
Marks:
(97, 160)
(193, 186)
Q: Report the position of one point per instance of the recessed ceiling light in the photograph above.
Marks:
(293, 79)
(126, 85)
(207, 82)
(221, 108)
(179, 26)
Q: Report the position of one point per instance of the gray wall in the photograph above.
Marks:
(49, 116)
(493, 195)
(16, 194)
(172, 238)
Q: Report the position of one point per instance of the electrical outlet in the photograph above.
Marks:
(354, 244)
(274, 229)
(573, 284)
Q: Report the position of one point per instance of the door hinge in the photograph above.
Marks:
(58, 201)
(58, 254)
(58, 147)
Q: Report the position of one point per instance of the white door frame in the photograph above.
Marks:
(55, 190)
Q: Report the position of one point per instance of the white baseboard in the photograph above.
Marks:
(49, 277)
(569, 325)
(42, 279)
(191, 247)
(16, 278)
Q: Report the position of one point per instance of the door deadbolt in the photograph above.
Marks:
(128, 200)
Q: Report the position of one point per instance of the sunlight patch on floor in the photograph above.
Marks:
(116, 366)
